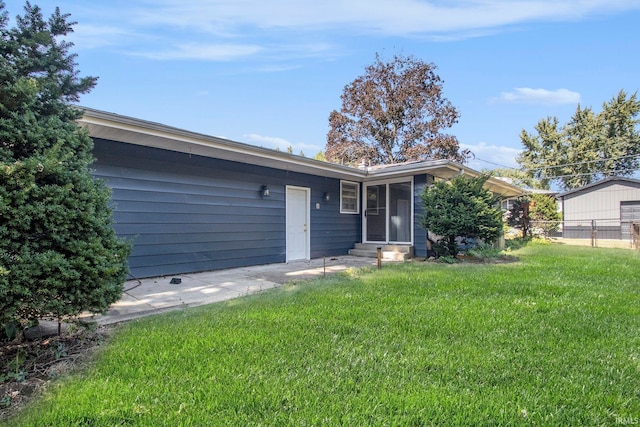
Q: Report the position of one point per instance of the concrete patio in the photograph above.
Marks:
(156, 295)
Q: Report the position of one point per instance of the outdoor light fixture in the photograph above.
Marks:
(265, 191)
(326, 197)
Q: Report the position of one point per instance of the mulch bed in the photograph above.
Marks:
(27, 366)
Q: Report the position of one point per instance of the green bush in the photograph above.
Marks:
(460, 208)
(59, 254)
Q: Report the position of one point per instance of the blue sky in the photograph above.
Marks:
(269, 73)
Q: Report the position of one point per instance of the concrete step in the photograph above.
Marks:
(408, 249)
(363, 253)
(389, 252)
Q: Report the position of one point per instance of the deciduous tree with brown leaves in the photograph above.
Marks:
(393, 113)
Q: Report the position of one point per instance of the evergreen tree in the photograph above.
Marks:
(620, 147)
(59, 255)
(586, 149)
(461, 208)
(517, 176)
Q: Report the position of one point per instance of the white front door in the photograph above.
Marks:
(297, 217)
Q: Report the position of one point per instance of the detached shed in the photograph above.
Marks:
(611, 206)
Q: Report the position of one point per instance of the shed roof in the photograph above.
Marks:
(115, 127)
(604, 182)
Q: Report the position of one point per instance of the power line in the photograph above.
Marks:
(585, 162)
(497, 164)
(559, 165)
(544, 168)
(610, 173)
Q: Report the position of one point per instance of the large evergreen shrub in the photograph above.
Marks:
(461, 208)
(59, 255)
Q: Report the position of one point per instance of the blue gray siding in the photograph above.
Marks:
(419, 234)
(332, 233)
(190, 213)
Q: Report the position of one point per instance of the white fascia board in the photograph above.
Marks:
(444, 169)
(126, 129)
(110, 126)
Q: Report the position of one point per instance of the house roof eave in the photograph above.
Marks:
(588, 187)
(115, 127)
(445, 169)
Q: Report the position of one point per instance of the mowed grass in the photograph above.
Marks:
(551, 340)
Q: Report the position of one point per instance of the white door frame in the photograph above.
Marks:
(387, 210)
(289, 212)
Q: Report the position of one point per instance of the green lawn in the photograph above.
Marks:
(551, 340)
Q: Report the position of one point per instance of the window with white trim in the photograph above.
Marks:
(349, 197)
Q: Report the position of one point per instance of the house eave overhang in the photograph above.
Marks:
(115, 127)
(119, 128)
(445, 169)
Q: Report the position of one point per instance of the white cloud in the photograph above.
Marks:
(232, 29)
(206, 52)
(98, 36)
(267, 141)
(527, 95)
(281, 144)
(401, 17)
(490, 156)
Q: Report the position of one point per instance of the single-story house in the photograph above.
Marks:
(507, 202)
(193, 202)
(609, 207)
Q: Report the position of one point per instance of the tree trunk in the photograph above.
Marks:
(452, 246)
